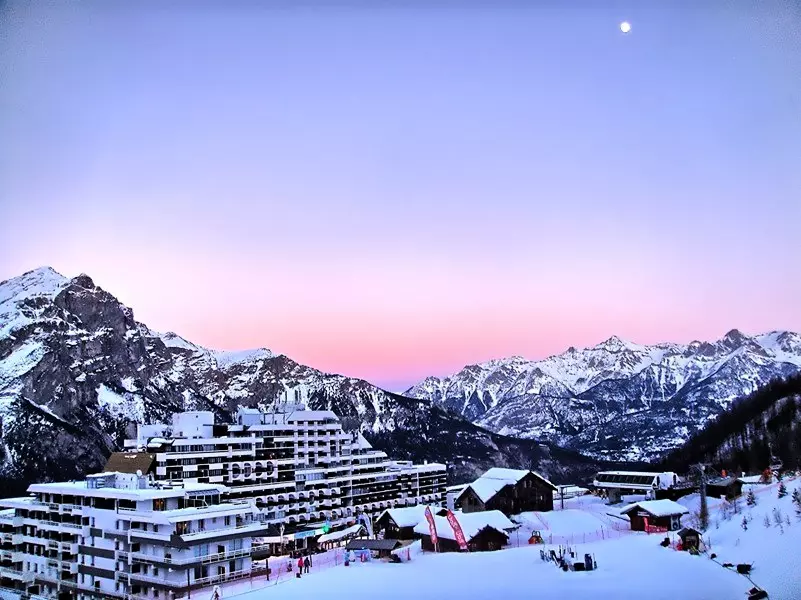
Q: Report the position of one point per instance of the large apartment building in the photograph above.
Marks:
(305, 474)
(121, 535)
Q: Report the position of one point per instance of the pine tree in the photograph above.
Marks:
(766, 521)
(750, 499)
(797, 497)
(744, 524)
(782, 490)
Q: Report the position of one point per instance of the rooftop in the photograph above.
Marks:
(471, 524)
(120, 486)
(657, 508)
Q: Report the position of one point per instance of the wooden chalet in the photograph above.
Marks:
(483, 531)
(510, 491)
(724, 487)
(399, 523)
(655, 515)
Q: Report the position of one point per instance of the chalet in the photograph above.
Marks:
(510, 491)
(483, 531)
(655, 515)
(724, 487)
(399, 523)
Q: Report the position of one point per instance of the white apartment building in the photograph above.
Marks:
(121, 535)
(305, 474)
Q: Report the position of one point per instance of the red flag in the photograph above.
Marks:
(432, 528)
(457, 530)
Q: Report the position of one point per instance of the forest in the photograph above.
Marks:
(758, 430)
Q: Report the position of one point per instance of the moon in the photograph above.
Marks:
(625, 27)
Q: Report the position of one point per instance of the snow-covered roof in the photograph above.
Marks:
(512, 475)
(338, 535)
(408, 516)
(471, 524)
(657, 508)
(485, 489)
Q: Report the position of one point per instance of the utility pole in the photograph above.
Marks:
(703, 516)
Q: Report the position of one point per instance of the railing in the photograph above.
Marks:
(207, 558)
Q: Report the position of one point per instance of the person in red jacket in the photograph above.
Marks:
(300, 566)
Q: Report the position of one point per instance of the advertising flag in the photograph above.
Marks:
(457, 530)
(432, 528)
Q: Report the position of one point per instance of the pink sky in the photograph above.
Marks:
(394, 193)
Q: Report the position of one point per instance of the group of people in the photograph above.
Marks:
(303, 563)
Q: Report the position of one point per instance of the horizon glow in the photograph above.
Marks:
(396, 192)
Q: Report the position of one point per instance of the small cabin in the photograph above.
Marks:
(690, 538)
(377, 548)
(724, 487)
(655, 515)
(399, 523)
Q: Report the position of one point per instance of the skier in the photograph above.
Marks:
(300, 566)
(306, 564)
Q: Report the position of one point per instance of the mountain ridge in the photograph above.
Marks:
(580, 398)
(77, 369)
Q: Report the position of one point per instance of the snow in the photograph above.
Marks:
(658, 508)
(510, 475)
(471, 524)
(487, 488)
(129, 406)
(226, 358)
(628, 569)
(42, 282)
(408, 516)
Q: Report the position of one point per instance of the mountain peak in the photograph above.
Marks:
(735, 337)
(44, 281)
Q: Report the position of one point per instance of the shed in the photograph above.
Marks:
(380, 548)
(399, 523)
(690, 538)
(655, 515)
(724, 487)
(487, 530)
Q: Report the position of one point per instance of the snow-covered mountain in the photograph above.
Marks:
(618, 399)
(76, 369)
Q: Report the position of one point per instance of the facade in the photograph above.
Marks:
(483, 531)
(617, 483)
(120, 535)
(655, 515)
(510, 491)
(306, 475)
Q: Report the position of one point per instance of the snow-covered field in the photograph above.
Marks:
(630, 565)
(633, 567)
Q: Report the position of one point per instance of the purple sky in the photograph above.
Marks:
(395, 192)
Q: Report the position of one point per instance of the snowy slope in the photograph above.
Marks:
(617, 399)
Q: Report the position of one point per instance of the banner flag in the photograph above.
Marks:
(432, 527)
(457, 530)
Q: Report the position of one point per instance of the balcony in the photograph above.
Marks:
(25, 576)
(185, 560)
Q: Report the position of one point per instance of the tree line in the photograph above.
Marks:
(753, 433)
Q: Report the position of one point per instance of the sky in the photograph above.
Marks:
(396, 189)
